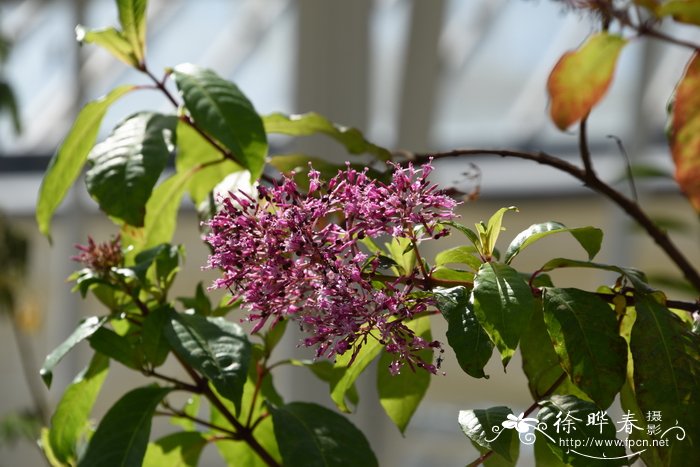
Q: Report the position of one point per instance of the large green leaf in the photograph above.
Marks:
(216, 348)
(401, 394)
(122, 436)
(313, 123)
(85, 329)
(126, 166)
(461, 255)
(132, 16)
(123, 349)
(635, 277)
(471, 344)
(485, 427)
(590, 238)
(66, 164)
(583, 329)
(628, 402)
(175, 450)
(503, 303)
(310, 435)
(69, 422)
(161, 216)
(541, 363)
(155, 345)
(573, 439)
(209, 167)
(223, 111)
(667, 376)
(352, 371)
(110, 39)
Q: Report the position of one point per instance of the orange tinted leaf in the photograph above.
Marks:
(581, 78)
(684, 132)
(683, 11)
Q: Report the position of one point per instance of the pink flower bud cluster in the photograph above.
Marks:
(294, 255)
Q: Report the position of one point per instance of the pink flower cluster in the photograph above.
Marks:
(294, 255)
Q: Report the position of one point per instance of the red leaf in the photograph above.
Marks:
(684, 132)
(581, 77)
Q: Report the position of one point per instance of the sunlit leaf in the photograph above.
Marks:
(312, 123)
(352, 371)
(684, 131)
(110, 39)
(589, 238)
(460, 255)
(581, 77)
(683, 11)
(66, 164)
(132, 16)
(175, 450)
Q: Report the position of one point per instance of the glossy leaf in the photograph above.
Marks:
(352, 370)
(125, 167)
(155, 345)
(684, 130)
(132, 16)
(69, 423)
(484, 427)
(569, 434)
(493, 229)
(161, 215)
(634, 276)
(584, 331)
(471, 344)
(581, 78)
(207, 165)
(122, 436)
(459, 255)
(214, 347)
(312, 123)
(666, 359)
(310, 435)
(589, 238)
(540, 361)
(223, 111)
(111, 40)
(175, 450)
(683, 11)
(502, 303)
(85, 329)
(123, 349)
(400, 395)
(469, 233)
(66, 164)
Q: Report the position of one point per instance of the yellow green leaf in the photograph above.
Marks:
(683, 11)
(684, 134)
(110, 39)
(581, 77)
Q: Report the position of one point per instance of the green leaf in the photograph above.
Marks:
(208, 165)
(581, 78)
(331, 374)
(666, 357)
(485, 428)
(313, 123)
(589, 238)
(543, 455)
(111, 40)
(496, 460)
(132, 16)
(569, 433)
(125, 167)
(401, 252)
(683, 11)
(353, 369)
(400, 395)
(8, 102)
(69, 423)
(46, 450)
(541, 363)
(85, 329)
(584, 332)
(502, 303)
(116, 347)
(493, 229)
(66, 164)
(162, 261)
(122, 435)
(190, 408)
(460, 255)
(216, 348)
(222, 110)
(161, 215)
(449, 274)
(652, 454)
(634, 276)
(175, 450)
(465, 335)
(155, 345)
(469, 233)
(240, 453)
(310, 435)
(200, 303)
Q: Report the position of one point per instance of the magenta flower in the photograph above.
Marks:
(289, 255)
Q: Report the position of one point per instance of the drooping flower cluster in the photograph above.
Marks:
(290, 255)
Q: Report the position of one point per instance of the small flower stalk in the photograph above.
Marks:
(300, 256)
